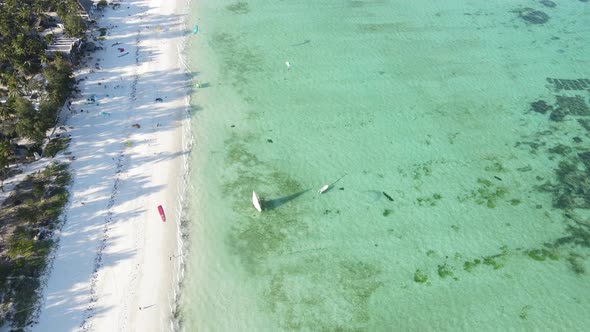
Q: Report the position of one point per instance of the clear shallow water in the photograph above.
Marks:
(486, 225)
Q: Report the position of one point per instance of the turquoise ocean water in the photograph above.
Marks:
(460, 131)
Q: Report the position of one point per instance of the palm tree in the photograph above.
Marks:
(5, 112)
(14, 85)
(6, 152)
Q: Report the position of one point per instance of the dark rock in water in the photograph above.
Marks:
(557, 115)
(548, 3)
(577, 140)
(533, 16)
(540, 106)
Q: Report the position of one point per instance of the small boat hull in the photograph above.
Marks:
(256, 202)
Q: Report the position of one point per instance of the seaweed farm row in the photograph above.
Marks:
(574, 84)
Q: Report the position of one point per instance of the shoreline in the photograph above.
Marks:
(117, 266)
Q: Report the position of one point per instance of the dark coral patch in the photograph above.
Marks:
(540, 106)
(532, 16)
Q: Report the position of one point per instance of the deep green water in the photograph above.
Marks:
(463, 207)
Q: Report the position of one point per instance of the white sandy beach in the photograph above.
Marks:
(116, 267)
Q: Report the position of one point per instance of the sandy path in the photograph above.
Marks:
(115, 255)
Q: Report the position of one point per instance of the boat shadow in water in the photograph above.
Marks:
(271, 204)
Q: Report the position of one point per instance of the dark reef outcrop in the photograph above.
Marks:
(533, 16)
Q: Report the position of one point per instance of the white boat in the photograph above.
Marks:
(327, 186)
(256, 202)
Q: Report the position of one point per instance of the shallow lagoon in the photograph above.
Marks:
(464, 203)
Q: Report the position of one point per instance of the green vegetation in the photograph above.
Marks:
(444, 271)
(422, 170)
(56, 145)
(495, 167)
(492, 261)
(102, 4)
(487, 194)
(30, 123)
(24, 66)
(33, 123)
(524, 312)
(239, 8)
(5, 155)
(468, 265)
(29, 217)
(569, 191)
(28, 77)
(431, 201)
(542, 254)
(420, 277)
(576, 263)
(74, 25)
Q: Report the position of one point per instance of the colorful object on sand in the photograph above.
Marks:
(162, 214)
(196, 29)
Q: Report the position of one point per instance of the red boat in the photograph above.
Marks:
(162, 214)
